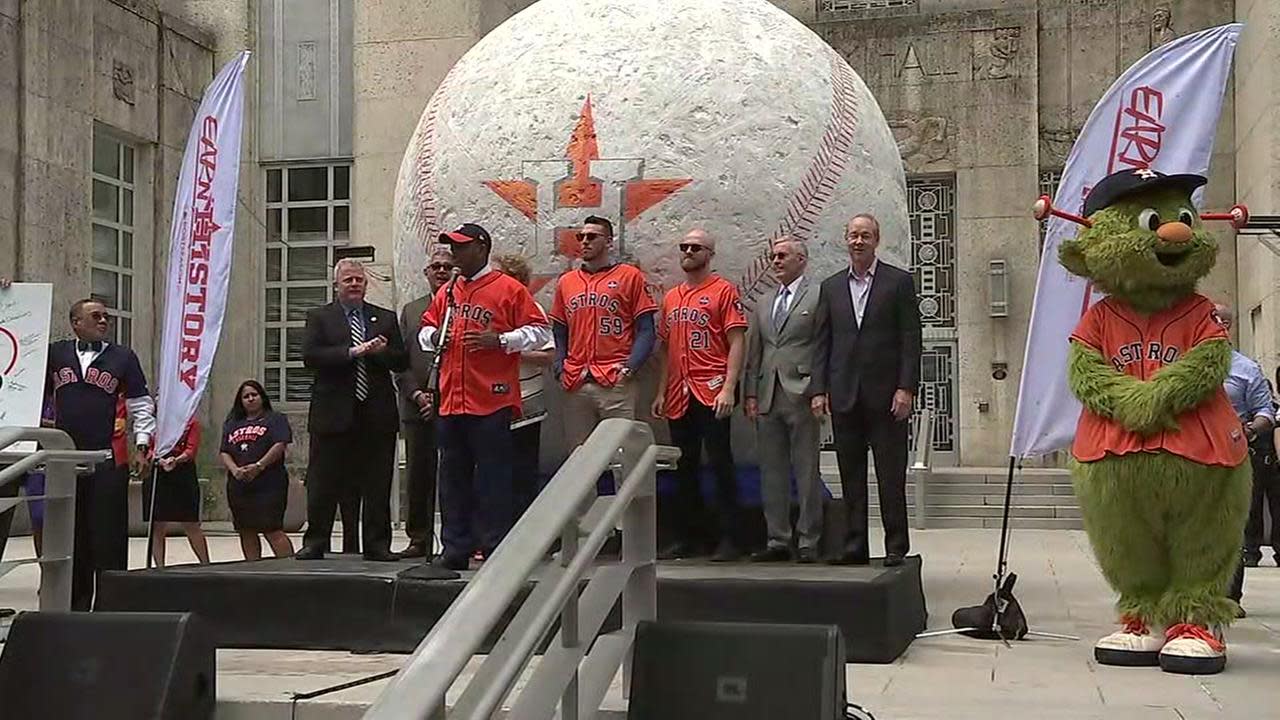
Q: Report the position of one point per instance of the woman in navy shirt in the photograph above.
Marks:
(254, 439)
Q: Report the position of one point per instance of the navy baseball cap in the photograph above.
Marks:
(465, 234)
(1119, 185)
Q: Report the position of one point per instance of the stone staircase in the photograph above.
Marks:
(973, 497)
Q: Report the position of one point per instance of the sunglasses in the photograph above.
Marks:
(692, 247)
(591, 235)
(440, 266)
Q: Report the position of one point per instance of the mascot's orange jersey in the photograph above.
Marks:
(600, 310)
(1139, 345)
(694, 326)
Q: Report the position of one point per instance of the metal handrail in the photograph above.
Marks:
(921, 469)
(568, 676)
(60, 459)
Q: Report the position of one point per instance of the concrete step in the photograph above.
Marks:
(1017, 523)
(939, 500)
(991, 511)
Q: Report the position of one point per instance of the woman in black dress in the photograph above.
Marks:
(254, 439)
(178, 500)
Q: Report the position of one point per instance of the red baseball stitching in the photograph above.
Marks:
(811, 198)
(427, 225)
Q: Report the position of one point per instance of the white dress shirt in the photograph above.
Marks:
(142, 410)
(526, 337)
(860, 289)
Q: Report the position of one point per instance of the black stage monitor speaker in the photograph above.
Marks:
(737, 671)
(108, 666)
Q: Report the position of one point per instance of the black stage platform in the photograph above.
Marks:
(345, 603)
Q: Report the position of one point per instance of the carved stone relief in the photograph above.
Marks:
(996, 53)
(922, 139)
(1055, 145)
(122, 82)
(1162, 26)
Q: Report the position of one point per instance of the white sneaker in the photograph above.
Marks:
(1134, 645)
(1193, 650)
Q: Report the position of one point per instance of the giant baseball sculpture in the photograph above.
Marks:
(661, 115)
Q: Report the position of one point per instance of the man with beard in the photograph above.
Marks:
(602, 318)
(702, 328)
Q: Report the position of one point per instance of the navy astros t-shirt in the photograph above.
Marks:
(248, 440)
(88, 405)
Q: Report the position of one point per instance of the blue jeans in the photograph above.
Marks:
(476, 454)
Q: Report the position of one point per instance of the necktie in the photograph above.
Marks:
(780, 309)
(87, 346)
(357, 337)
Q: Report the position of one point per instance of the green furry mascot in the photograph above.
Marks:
(1159, 455)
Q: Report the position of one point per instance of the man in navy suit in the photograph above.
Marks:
(354, 348)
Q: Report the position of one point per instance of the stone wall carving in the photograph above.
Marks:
(122, 82)
(922, 140)
(996, 53)
(1162, 26)
(1055, 145)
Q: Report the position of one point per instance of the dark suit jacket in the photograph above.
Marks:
(325, 348)
(415, 377)
(866, 364)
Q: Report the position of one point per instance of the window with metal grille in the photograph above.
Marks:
(111, 266)
(308, 217)
(1049, 181)
(844, 6)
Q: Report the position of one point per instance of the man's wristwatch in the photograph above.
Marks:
(502, 341)
(626, 372)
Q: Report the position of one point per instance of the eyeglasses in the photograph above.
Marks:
(692, 248)
(591, 235)
(440, 266)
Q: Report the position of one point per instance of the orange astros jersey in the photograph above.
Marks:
(1138, 346)
(694, 327)
(482, 382)
(600, 310)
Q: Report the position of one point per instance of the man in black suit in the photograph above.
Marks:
(416, 416)
(866, 368)
(353, 347)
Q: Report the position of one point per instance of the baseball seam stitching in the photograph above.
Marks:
(819, 183)
(424, 196)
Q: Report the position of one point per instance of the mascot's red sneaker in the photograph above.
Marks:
(1134, 645)
(1193, 650)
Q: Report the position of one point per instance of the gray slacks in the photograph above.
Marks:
(788, 439)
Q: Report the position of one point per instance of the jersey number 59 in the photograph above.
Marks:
(610, 325)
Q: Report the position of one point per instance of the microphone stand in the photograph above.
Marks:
(443, 338)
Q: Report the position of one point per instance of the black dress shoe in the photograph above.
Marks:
(893, 560)
(848, 558)
(726, 552)
(773, 553)
(414, 550)
(677, 551)
(807, 556)
(381, 556)
(451, 563)
(309, 552)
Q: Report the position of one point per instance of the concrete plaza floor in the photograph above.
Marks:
(951, 677)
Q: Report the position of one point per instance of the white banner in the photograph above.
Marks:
(204, 212)
(24, 347)
(1161, 113)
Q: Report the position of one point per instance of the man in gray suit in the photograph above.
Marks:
(780, 346)
(415, 415)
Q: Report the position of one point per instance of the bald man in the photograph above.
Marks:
(702, 329)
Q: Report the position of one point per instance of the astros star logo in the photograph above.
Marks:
(554, 192)
(1145, 174)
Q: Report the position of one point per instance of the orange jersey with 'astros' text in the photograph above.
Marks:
(1139, 345)
(600, 310)
(694, 328)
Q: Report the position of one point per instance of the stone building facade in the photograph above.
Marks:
(984, 96)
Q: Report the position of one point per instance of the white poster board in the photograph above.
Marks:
(24, 348)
